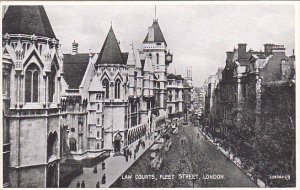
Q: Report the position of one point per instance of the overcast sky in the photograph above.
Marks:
(198, 35)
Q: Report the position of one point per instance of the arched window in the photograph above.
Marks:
(51, 143)
(117, 88)
(105, 85)
(72, 143)
(98, 134)
(28, 46)
(98, 146)
(98, 107)
(98, 121)
(24, 47)
(102, 144)
(4, 84)
(52, 83)
(170, 109)
(32, 83)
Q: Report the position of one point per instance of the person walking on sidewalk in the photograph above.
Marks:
(95, 169)
(78, 184)
(130, 154)
(103, 179)
(82, 184)
(103, 165)
(98, 185)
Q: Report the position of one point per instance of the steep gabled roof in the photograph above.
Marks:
(74, 69)
(158, 36)
(171, 76)
(27, 20)
(110, 52)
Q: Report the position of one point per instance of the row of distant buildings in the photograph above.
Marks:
(59, 107)
(250, 83)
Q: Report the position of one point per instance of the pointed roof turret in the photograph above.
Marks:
(155, 34)
(131, 58)
(110, 52)
(138, 60)
(27, 20)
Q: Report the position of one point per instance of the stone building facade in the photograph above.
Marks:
(58, 107)
(175, 96)
(245, 78)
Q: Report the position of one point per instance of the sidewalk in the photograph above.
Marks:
(115, 166)
(235, 160)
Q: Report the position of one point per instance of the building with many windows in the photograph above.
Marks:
(59, 107)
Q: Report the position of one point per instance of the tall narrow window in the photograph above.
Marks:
(102, 133)
(117, 88)
(98, 134)
(157, 59)
(52, 83)
(72, 144)
(98, 121)
(4, 84)
(32, 83)
(52, 137)
(105, 85)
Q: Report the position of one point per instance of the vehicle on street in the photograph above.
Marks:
(175, 131)
(156, 156)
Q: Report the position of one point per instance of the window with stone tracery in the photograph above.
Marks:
(105, 85)
(117, 88)
(52, 83)
(4, 84)
(32, 83)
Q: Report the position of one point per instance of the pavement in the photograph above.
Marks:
(235, 160)
(195, 156)
(115, 166)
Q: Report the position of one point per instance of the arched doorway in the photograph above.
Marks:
(117, 142)
(52, 175)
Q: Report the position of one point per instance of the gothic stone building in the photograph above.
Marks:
(74, 106)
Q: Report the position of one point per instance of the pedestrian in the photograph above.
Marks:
(103, 165)
(82, 184)
(95, 169)
(103, 179)
(98, 185)
(78, 184)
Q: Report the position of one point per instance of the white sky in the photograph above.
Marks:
(198, 35)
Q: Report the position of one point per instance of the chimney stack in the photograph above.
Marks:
(242, 51)
(268, 48)
(74, 48)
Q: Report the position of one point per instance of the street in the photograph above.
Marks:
(192, 161)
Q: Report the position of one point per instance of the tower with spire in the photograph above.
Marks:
(155, 48)
(32, 79)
